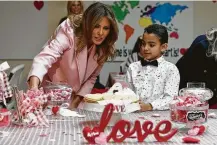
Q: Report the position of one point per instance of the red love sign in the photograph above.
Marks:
(119, 108)
(38, 4)
(162, 132)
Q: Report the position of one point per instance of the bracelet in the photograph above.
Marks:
(33, 86)
(151, 107)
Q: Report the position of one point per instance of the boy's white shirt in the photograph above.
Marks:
(155, 85)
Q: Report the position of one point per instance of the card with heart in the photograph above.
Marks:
(90, 134)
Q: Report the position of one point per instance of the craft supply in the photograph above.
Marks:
(4, 117)
(162, 132)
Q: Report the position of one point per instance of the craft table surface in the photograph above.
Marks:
(68, 131)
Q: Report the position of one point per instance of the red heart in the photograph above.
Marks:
(202, 129)
(90, 134)
(190, 140)
(183, 50)
(38, 4)
(174, 35)
(55, 109)
(214, 1)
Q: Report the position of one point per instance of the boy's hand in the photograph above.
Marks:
(144, 106)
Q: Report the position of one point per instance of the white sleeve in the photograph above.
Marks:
(170, 90)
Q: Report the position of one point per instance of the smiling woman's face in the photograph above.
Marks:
(101, 31)
(76, 7)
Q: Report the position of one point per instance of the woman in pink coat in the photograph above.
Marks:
(77, 51)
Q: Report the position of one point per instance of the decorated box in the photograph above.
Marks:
(124, 100)
(190, 111)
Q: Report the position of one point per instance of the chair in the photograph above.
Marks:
(16, 74)
(14, 79)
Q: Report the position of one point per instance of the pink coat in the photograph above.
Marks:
(58, 62)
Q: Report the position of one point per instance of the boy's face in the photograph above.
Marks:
(151, 47)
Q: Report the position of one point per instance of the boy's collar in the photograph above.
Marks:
(160, 59)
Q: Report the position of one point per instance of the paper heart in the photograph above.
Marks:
(90, 134)
(38, 4)
(202, 129)
(212, 115)
(55, 109)
(101, 139)
(190, 140)
(193, 131)
(183, 50)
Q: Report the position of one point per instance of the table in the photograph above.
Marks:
(115, 77)
(68, 131)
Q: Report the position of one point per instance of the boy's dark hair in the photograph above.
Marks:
(159, 30)
(137, 45)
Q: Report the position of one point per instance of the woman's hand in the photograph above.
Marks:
(33, 83)
(76, 100)
(144, 106)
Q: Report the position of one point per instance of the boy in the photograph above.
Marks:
(154, 79)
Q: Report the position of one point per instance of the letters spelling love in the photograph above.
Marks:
(162, 132)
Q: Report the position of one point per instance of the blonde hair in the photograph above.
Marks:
(91, 17)
(211, 36)
(69, 5)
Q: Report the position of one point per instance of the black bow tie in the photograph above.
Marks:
(145, 62)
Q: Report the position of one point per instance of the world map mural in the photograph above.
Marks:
(134, 16)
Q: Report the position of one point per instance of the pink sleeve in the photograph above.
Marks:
(88, 85)
(52, 50)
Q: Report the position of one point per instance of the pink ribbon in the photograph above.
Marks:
(30, 108)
